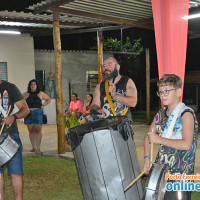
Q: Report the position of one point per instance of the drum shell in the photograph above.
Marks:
(106, 164)
(155, 184)
(8, 148)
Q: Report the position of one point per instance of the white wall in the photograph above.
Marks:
(18, 52)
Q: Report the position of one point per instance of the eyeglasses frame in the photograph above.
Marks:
(159, 93)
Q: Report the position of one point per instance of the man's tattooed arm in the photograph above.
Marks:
(130, 99)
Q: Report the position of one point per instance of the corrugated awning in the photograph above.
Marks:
(84, 14)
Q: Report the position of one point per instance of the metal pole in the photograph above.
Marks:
(100, 56)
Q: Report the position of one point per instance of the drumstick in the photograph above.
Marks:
(143, 171)
(6, 116)
(134, 181)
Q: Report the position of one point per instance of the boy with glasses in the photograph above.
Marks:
(175, 128)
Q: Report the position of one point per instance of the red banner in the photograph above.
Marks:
(171, 35)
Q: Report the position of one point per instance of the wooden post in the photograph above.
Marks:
(58, 83)
(148, 86)
(100, 56)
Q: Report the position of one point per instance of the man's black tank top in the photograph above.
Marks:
(34, 101)
(119, 107)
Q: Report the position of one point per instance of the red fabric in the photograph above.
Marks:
(171, 35)
(87, 108)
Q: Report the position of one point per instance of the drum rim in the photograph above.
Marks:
(4, 135)
(105, 126)
(164, 166)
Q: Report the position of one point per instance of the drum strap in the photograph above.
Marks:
(172, 120)
(111, 102)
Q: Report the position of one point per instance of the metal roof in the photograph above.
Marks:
(85, 15)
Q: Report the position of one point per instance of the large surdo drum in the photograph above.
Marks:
(106, 159)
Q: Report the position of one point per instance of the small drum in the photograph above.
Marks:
(155, 184)
(106, 159)
(8, 148)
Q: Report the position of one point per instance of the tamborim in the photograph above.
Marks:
(8, 148)
(155, 184)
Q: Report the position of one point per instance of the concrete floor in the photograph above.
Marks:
(49, 143)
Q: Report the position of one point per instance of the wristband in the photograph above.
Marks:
(146, 157)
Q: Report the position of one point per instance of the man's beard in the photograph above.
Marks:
(112, 74)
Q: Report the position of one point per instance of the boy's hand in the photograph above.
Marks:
(147, 164)
(153, 137)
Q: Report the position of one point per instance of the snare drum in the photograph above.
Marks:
(106, 159)
(8, 148)
(155, 184)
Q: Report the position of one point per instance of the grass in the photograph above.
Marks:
(195, 196)
(47, 178)
(51, 178)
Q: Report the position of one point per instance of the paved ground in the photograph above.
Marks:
(49, 143)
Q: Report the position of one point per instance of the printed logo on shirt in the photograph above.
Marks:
(4, 101)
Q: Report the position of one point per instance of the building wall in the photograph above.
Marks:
(18, 52)
(74, 66)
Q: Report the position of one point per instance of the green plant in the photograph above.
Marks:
(71, 121)
(111, 44)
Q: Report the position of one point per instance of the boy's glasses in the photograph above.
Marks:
(164, 92)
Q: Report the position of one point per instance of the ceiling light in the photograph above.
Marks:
(10, 32)
(191, 16)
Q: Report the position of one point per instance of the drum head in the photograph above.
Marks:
(155, 184)
(97, 125)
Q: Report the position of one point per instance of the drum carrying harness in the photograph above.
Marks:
(172, 119)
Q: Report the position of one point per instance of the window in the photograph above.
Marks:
(3, 73)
